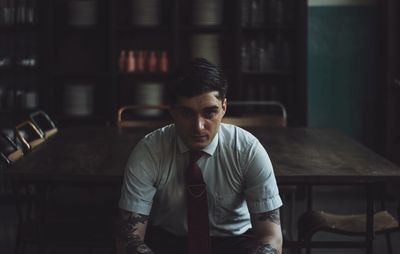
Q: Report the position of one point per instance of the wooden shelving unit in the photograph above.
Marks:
(90, 54)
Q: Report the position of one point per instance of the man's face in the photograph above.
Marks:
(197, 118)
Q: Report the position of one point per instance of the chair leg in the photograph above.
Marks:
(20, 247)
(389, 243)
(18, 242)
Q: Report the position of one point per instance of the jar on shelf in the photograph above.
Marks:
(31, 100)
(152, 61)
(206, 46)
(78, 99)
(145, 12)
(82, 12)
(257, 8)
(148, 93)
(245, 13)
(141, 60)
(164, 62)
(207, 12)
(131, 62)
(245, 57)
(276, 11)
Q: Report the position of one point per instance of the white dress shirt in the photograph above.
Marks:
(235, 167)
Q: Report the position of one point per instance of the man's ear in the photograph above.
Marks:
(224, 105)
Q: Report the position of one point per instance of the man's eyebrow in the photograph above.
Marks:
(211, 108)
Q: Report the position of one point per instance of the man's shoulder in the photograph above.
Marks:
(236, 136)
(157, 138)
(165, 132)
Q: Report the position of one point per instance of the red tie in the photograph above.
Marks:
(197, 217)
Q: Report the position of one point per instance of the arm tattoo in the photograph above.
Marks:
(272, 216)
(127, 232)
(266, 249)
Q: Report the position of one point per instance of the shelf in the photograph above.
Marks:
(263, 28)
(18, 27)
(80, 75)
(127, 29)
(18, 68)
(7, 68)
(206, 29)
(269, 73)
(143, 74)
(81, 30)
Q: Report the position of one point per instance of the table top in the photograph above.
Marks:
(305, 155)
(299, 156)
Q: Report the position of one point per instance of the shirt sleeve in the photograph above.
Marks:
(261, 190)
(138, 187)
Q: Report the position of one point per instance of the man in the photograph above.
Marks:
(241, 192)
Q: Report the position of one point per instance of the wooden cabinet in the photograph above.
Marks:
(20, 62)
(78, 61)
(390, 79)
(113, 53)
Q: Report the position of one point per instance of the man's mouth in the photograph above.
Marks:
(199, 138)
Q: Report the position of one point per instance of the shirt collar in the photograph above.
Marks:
(210, 149)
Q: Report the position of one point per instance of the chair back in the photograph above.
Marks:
(29, 135)
(10, 152)
(44, 123)
(143, 116)
(264, 113)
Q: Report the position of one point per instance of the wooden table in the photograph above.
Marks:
(300, 156)
(310, 157)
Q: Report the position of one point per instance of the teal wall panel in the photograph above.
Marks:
(342, 70)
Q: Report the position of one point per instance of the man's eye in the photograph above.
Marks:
(210, 114)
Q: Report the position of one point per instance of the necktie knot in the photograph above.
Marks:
(195, 156)
(194, 175)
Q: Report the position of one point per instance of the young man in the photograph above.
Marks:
(241, 198)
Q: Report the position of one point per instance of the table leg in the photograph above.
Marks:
(309, 189)
(41, 216)
(370, 219)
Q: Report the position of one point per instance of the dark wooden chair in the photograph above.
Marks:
(9, 149)
(312, 222)
(29, 135)
(43, 123)
(248, 114)
(143, 116)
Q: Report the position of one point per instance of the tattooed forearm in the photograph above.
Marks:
(136, 245)
(128, 232)
(266, 249)
(272, 216)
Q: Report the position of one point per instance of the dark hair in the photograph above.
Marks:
(198, 76)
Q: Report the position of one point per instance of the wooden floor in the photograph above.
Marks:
(326, 198)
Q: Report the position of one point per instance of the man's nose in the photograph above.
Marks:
(199, 123)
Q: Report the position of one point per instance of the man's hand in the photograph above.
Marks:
(131, 228)
(266, 249)
(267, 227)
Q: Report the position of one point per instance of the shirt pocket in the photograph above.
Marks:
(228, 208)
